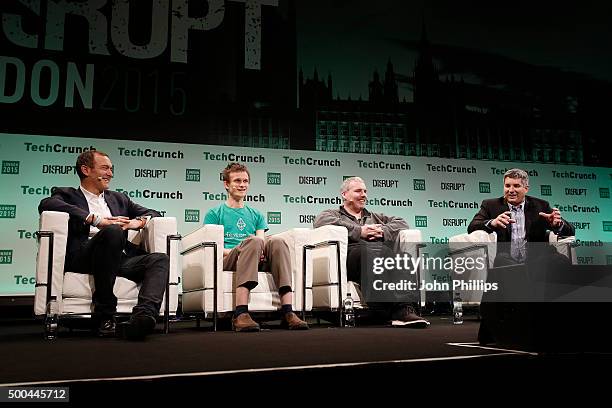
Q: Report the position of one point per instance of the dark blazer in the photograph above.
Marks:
(535, 225)
(72, 201)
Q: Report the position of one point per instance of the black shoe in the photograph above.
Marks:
(138, 327)
(407, 317)
(106, 327)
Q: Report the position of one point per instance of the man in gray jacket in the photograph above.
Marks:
(367, 230)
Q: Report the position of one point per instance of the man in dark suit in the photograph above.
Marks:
(108, 214)
(518, 218)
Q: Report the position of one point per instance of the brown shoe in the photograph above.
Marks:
(291, 322)
(244, 323)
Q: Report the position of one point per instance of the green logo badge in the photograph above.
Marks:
(419, 184)
(10, 167)
(274, 217)
(346, 177)
(274, 179)
(604, 192)
(546, 190)
(484, 187)
(192, 215)
(6, 256)
(7, 211)
(192, 174)
(607, 226)
(420, 221)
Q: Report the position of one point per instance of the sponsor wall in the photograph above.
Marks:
(290, 187)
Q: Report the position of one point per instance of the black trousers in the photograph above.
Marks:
(107, 255)
(354, 268)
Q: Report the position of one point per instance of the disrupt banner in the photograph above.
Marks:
(290, 187)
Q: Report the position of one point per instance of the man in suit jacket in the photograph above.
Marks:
(108, 214)
(518, 218)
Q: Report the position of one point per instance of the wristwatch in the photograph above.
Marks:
(142, 219)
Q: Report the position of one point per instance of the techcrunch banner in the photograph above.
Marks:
(437, 196)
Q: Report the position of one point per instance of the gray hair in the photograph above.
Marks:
(346, 183)
(518, 174)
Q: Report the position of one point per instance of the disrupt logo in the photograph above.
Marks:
(274, 179)
(7, 211)
(604, 192)
(59, 169)
(274, 217)
(312, 180)
(420, 221)
(192, 175)
(607, 226)
(6, 256)
(150, 173)
(307, 218)
(419, 184)
(10, 167)
(575, 191)
(484, 187)
(192, 215)
(546, 190)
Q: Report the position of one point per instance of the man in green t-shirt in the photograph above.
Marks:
(246, 246)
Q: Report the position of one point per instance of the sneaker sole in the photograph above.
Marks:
(247, 329)
(414, 323)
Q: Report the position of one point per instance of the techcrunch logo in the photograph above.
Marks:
(25, 234)
(274, 217)
(223, 196)
(312, 200)
(24, 280)
(575, 191)
(58, 169)
(583, 243)
(448, 168)
(6, 256)
(8, 211)
(192, 215)
(310, 161)
(574, 175)
(501, 172)
(192, 174)
(386, 201)
(382, 183)
(577, 208)
(150, 153)
(274, 179)
(28, 190)
(56, 148)
(160, 195)
(383, 165)
(10, 167)
(233, 157)
(452, 204)
(150, 173)
(452, 186)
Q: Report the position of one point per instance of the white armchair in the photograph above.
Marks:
(209, 291)
(326, 296)
(69, 294)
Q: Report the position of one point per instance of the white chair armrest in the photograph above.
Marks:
(198, 261)
(54, 222)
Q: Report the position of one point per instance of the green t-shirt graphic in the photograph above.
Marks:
(238, 223)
